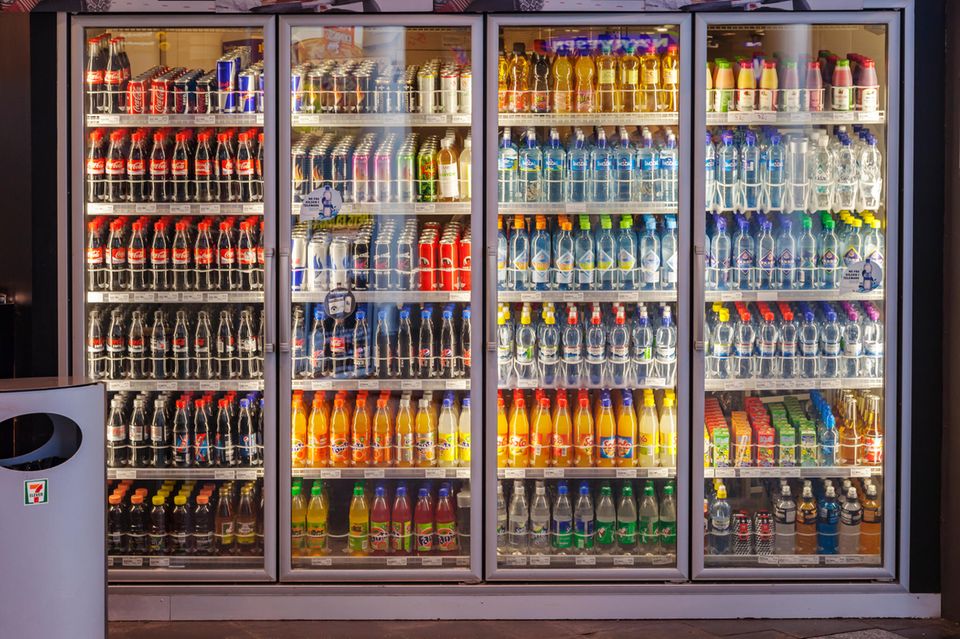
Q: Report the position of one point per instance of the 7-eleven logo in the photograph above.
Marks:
(34, 492)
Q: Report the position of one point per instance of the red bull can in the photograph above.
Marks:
(226, 84)
(247, 86)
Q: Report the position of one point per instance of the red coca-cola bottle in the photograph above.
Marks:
(93, 78)
(96, 275)
(180, 170)
(137, 257)
(96, 164)
(203, 258)
(226, 258)
(114, 82)
(246, 173)
(225, 170)
(137, 169)
(159, 170)
(205, 184)
(180, 259)
(115, 167)
(159, 258)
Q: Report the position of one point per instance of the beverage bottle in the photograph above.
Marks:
(340, 438)
(447, 172)
(584, 256)
(649, 97)
(519, 435)
(205, 188)
(382, 437)
(564, 251)
(786, 257)
(608, 96)
(641, 342)
(518, 520)
(811, 97)
(541, 258)
(518, 276)
(648, 434)
(116, 346)
(179, 169)
(572, 339)
(114, 171)
(553, 169)
(784, 523)
(668, 521)
(583, 435)
(743, 346)
(117, 440)
(426, 358)
(649, 521)
(746, 88)
(606, 433)
(157, 189)
(723, 87)
(666, 347)
(358, 539)
(606, 252)
(179, 530)
(846, 176)
(561, 82)
(223, 451)
(721, 541)
(445, 523)
(201, 524)
(828, 517)
(767, 340)
(669, 254)
(309, 527)
(750, 173)
(721, 346)
(224, 170)
(401, 523)
(204, 260)
(540, 521)
(561, 520)
(628, 276)
(135, 183)
(710, 170)
(116, 257)
(505, 345)
(502, 253)
(447, 435)
(829, 256)
(728, 173)
(541, 436)
(137, 526)
(94, 70)
(518, 80)
(841, 87)
(502, 521)
(871, 527)
(578, 170)
(360, 433)
(601, 165)
(246, 173)
(157, 535)
(203, 355)
(202, 434)
(627, 436)
(249, 440)
(96, 359)
(247, 347)
(585, 73)
(136, 349)
(182, 436)
(159, 277)
(183, 276)
(619, 350)
(823, 167)
(137, 435)
(424, 523)
(96, 272)
(246, 524)
(384, 355)
(159, 436)
(507, 165)
(773, 175)
(224, 524)
(361, 346)
(465, 162)
(798, 171)
(530, 170)
(626, 533)
(606, 521)
(668, 433)
(596, 358)
(668, 95)
(463, 434)
(718, 258)
(830, 345)
(405, 452)
(425, 436)
(337, 342)
(650, 256)
(548, 357)
(851, 515)
(767, 95)
(583, 522)
(806, 523)
(379, 532)
(870, 185)
(766, 256)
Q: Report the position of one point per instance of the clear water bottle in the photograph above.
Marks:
(774, 174)
(529, 173)
(561, 522)
(766, 256)
(585, 256)
(564, 260)
(507, 164)
(606, 253)
(649, 255)
(525, 348)
(548, 353)
(628, 275)
(554, 169)
(788, 344)
(830, 338)
(798, 179)
(744, 257)
(503, 541)
(539, 520)
(767, 340)
(619, 350)
(786, 256)
(852, 345)
(847, 178)
(822, 175)
(728, 173)
(829, 257)
(666, 347)
(624, 178)
(710, 173)
(601, 161)
(641, 349)
(668, 254)
(648, 170)
(873, 344)
(870, 186)
(668, 172)
(721, 537)
(722, 346)
(578, 170)
(518, 277)
(572, 340)
(505, 356)
(809, 347)
(807, 257)
(596, 339)
(519, 516)
(750, 185)
(743, 343)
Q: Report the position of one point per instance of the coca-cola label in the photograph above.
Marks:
(136, 167)
(115, 345)
(113, 76)
(159, 256)
(181, 256)
(203, 256)
(338, 346)
(226, 256)
(158, 167)
(95, 255)
(94, 76)
(260, 255)
(247, 257)
(95, 345)
(95, 166)
(202, 168)
(114, 166)
(226, 167)
(137, 256)
(118, 255)
(135, 345)
(245, 167)
(179, 167)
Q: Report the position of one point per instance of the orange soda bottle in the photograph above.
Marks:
(318, 433)
(502, 432)
(583, 432)
(562, 435)
(519, 435)
(382, 434)
(339, 434)
(541, 440)
(298, 433)
(606, 433)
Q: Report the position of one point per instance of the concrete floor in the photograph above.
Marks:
(694, 629)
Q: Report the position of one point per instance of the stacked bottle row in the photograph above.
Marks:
(149, 257)
(380, 86)
(829, 518)
(586, 76)
(151, 430)
(845, 429)
(382, 254)
(386, 518)
(767, 169)
(543, 253)
(164, 165)
(643, 168)
(605, 350)
(185, 519)
(401, 345)
(556, 522)
(754, 258)
(611, 430)
(191, 349)
(383, 167)
(798, 340)
(765, 85)
(393, 430)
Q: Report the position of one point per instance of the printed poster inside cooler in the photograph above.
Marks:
(587, 276)
(381, 328)
(174, 290)
(795, 296)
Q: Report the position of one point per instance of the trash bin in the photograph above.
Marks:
(52, 540)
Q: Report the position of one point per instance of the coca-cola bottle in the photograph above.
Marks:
(116, 346)
(159, 258)
(181, 347)
(226, 347)
(115, 90)
(158, 190)
(226, 172)
(258, 272)
(96, 273)
(226, 258)
(93, 77)
(202, 354)
(96, 358)
(246, 258)
(259, 167)
(137, 169)
(116, 257)
(137, 433)
(246, 174)
(203, 174)
(136, 348)
(246, 346)
(116, 435)
(182, 275)
(159, 347)
(201, 434)
(137, 258)
(180, 170)
(115, 171)
(160, 435)
(203, 258)
(125, 67)
(96, 164)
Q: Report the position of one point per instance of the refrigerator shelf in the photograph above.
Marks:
(382, 473)
(379, 119)
(799, 384)
(168, 208)
(531, 384)
(586, 473)
(399, 208)
(786, 472)
(185, 385)
(381, 384)
(586, 296)
(744, 561)
(381, 562)
(797, 119)
(586, 208)
(671, 118)
(584, 561)
(202, 297)
(242, 474)
(176, 119)
(791, 296)
(388, 297)
(182, 561)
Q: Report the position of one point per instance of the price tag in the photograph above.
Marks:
(729, 296)
(627, 296)
(843, 116)
(367, 384)
(373, 473)
(766, 384)
(585, 560)
(457, 384)
(109, 119)
(224, 474)
(329, 473)
(552, 473)
(861, 471)
(435, 473)
(209, 209)
(321, 561)
(158, 120)
(116, 298)
(159, 562)
(425, 208)
(725, 472)
(212, 385)
(515, 560)
(214, 298)
(131, 562)
(656, 473)
(205, 119)
(655, 382)
(765, 117)
(741, 118)
(431, 562)
(248, 385)
(709, 473)
(626, 473)
(463, 473)
(787, 471)
(253, 208)
(411, 384)
(572, 297)
(539, 560)
(110, 562)
(191, 297)
(94, 298)
(876, 471)
(124, 385)
(146, 209)
(530, 297)
(830, 383)
(769, 560)
(323, 384)
(626, 560)
(126, 473)
(460, 118)
(514, 473)
(434, 119)
(179, 209)
(396, 561)
(247, 474)
(576, 207)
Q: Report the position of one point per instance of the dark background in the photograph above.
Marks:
(28, 222)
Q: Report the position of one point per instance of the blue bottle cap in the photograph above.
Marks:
(361, 315)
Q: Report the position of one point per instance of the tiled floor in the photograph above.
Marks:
(605, 629)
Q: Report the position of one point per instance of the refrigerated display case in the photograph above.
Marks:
(378, 291)
(797, 265)
(173, 301)
(587, 236)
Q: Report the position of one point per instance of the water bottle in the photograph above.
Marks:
(668, 179)
(624, 170)
(554, 169)
(583, 522)
(564, 257)
(561, 521)
(578, 170)
(507, 169)
(529, 178)
(870, 184)
(539, 520)
(526, 344)
(601, 161)
(541, 257)
(767, 341)
(720, 534)
(518, 277)
(873, 249)
(743, 342)
(784, 523)
(584, 255)
(766, 256)
(750, 187)
(649, 255)
(829, 251)
(502, 256)
(822, 168)
(807, 257)
(744, 257)
(728, 173)
(641, 347)
(648, 170)
(798, 181)
(628, 275)
(504, 346)
(668, 253)
(830, 346)
(774, 176)
(503, 540)
(852, 344)
(710, 173)
(596, 349)
(519, 519)
(606, 255)
(548, 353)
(619, 350)
(873, 344)
(847, 177)
(809, 347)
(666, 347)
(788, 344)
(572, 340)
(721, 346)
(786, 256)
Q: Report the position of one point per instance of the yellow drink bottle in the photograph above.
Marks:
(318, 433)
(541, 441)
(358, 541)
(649, 80)
(670, 79)
(561, 73)
(519, 435)
(425, 436)
(317, 512)
(502, 432)
(648, 434)
(585, 73)
(606, 434)
(447, 435)
(583, 433)
(298, 432)
(608, 100)
(404, 436)
(628, 70)
(298, 521)
(562, 434)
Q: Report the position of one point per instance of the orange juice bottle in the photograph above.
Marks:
(583, 432)
(502, 432)
(339, 434)
(425, 436)
(382, 434)
(649, 79)
(606, 433)
(298, 432)
(561, 74)
(562, 435)
(585, 73)
(746, 87)
(628, 70)
(541, 440)
(626, 432)
(608, 100)
(519, 435)
(404, 437)
(670, 79)
(318, 433)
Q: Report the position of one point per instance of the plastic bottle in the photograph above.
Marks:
(572, 340)
(463, 434)
(721, 538)
(728, 173)
(358, 539)
(583, 433)
(360, 453)
(851, 516)
(668, 521)
(746, 88)
(519, 439)
(401, 524)
(585, 73)
(519, 517)
(541, 436)
(529, 171)
(650, 263)
(518, 277)
(578, 170)
(447, 435)
(828, 518)
(666, 348)
(507, 169)
(596, 357)
(785, 523)
(648, 435)
(743, 275)
(602, 169)
(710, 171)
(627, 438)
(561, 522)
(606, 433)
(608, 97)
(424, 526)
(561, 76)
(871, 527)
(724, 87)
(841, 87)
(628, 78)
(583, 522)
(339, 435)
(830, 345)
(668, 433)
(540, 521)
(750, 173)
(312, 518)
(650, 100)
(619, 356)
(649, 521)
(502, 521)
(606, 522)
(425, 436)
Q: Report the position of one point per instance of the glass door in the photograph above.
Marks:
(586, 233)
(797, 273)
(379, 338)
(172, 218)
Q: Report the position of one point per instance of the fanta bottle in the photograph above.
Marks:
(423, 523)
(446, 523)
(606, 433)
(401, 524)
(404, 437)
(382, 447)
(502, 432)
(519, 435)
(562, 434)
(583, 436)
(358, 541)
(425, 436)
(626, 432)
(318, 433)
(541, 440)
(298, 435)
(317, 512)
(339, 435)
(379, 522)
(298, 521)
(447, 435)
(668, 432)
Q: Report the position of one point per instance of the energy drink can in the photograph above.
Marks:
(226, 84)
(247, 84)
(449, 260)
(298, 260)
(427, 86)
(204, 101)
(449, 88)
(296, 89)
(361, 262)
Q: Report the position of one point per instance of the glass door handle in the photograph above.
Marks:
(492, 274)
(698, 274)
(285, 328)
(269, 255)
